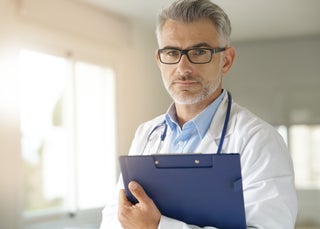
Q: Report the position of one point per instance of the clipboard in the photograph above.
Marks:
(198, 189)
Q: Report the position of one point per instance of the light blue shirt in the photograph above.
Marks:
(187, 138)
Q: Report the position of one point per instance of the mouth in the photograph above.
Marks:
(185, 83)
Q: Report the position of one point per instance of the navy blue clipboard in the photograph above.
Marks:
(198, 189)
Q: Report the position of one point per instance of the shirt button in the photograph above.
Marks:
(180, 143)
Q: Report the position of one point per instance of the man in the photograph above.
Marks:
(194, 55)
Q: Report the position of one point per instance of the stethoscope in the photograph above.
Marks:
(165, 128)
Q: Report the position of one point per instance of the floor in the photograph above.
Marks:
(307, 228)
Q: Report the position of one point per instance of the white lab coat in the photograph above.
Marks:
(267, 171)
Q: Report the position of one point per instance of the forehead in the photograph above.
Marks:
(184, 35)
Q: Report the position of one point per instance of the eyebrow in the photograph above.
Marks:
(202, 44)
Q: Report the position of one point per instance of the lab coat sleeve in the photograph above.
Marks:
(268, 179)
(110, 212)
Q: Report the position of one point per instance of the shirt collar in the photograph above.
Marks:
(202, 121)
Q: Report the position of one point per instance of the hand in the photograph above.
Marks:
(143, 215)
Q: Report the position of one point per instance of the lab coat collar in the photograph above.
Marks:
(218, 120)
(211, 139)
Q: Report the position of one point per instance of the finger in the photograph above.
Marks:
(123, 208)
(138, 192)
(123, 201)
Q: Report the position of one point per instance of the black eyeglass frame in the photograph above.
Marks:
(186, 51)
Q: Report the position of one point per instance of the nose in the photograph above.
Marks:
(184, 66)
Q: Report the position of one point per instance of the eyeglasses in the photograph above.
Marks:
(195, 55)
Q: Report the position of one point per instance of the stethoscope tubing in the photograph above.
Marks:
(226, 122)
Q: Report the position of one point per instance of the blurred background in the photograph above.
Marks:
(78, 76)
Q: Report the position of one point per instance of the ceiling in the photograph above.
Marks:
(251, 19)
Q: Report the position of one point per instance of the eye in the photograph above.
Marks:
(199, 52)
(171, 52)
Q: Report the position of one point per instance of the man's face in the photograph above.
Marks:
(189, 83)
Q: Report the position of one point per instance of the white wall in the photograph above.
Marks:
(278, 79)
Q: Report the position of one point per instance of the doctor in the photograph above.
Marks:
(194, 55)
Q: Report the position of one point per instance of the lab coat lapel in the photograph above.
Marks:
(210, 142)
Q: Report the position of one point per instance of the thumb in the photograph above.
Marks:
(138, 192)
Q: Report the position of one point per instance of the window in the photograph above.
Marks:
(305, 148)
(304, 145)
(68, 133)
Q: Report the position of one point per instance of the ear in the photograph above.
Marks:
(227, 60)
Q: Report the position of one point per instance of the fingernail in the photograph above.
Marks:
(133, 185)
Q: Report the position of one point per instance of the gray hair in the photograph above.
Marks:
(193, 10)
